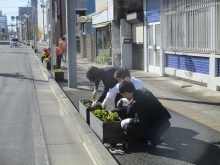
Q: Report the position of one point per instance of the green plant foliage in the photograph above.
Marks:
(105, 115)
(46, 60)
(87, 103)
(57, 70)
(104, 57)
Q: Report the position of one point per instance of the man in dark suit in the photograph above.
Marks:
(106, 75)
(148, 119)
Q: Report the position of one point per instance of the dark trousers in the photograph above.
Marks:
(154, 132)
(59, 61)
(157, 129)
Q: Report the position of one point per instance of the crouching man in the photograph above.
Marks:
(147, 119)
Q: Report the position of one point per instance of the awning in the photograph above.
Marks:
(85, 19)
(100, 25)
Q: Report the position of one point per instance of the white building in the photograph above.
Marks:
(3, 26)
(182, 39)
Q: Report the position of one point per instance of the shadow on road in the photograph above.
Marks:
(182, 144)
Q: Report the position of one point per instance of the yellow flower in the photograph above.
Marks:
(105, 115)
(57, 70)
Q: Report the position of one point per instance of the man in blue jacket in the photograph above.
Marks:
(148, 119)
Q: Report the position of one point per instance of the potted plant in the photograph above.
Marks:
(58, 75)
(85, 106)
(107, 126)
(104, 58)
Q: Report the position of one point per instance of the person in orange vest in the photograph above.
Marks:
(59, 56)
(63, 46)
(59, 53)
(46, 54)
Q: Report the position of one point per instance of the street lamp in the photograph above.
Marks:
(43, 6)
(16, 19)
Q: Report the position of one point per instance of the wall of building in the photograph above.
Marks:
(186, 56)
(3, 26)
(60, 26)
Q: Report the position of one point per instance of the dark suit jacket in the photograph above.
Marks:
(148, 108)
(108, 80)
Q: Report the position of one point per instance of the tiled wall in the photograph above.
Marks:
(189, 63)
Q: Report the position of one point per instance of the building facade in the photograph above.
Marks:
(3, 27)
(188, 44)
(59, 12)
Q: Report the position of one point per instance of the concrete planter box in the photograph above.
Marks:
(58, 76)
(48, 66)
(85, 112)
(108, 132)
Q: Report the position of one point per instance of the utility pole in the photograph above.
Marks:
(71, 43)
(43, 6)
(52, 46)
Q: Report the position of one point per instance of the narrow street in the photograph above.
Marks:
(34, 126)
(21, 137)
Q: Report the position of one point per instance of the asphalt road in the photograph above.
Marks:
(18, 125)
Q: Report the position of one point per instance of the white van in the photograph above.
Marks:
(14, 42)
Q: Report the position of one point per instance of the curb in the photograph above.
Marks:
(97, 151)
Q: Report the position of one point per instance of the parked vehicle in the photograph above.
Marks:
(14, 42)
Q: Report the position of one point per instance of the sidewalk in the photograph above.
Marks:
(69, 140)
(193, 101)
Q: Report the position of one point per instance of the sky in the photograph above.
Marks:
(10, 8)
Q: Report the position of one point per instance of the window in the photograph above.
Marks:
(14, 39)
(187, 25)
(103, 40)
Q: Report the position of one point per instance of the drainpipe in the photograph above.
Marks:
(61, 23)
(145, 37)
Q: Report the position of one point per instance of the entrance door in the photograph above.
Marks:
(154, 47)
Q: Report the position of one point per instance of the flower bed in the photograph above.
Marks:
(58, 75)
(106, 128)
(48, 66)
(85, 108)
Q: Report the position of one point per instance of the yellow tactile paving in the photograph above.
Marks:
(215, 125)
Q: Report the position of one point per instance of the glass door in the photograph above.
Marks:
(154, 47)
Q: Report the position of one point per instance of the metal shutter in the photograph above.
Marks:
(153, 10)
(138, 32)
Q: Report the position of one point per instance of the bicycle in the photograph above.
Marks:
(117, 60)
